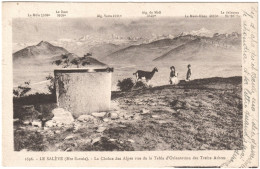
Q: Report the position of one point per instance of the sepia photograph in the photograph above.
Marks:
(130, 84)
(127, 85)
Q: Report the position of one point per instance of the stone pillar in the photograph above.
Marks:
(83, 91)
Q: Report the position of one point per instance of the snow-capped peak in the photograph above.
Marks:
(201, 32)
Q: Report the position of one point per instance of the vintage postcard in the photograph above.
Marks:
(130, 84)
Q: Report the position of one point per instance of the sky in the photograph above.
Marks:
(29, 30)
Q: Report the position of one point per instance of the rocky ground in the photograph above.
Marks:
(203, 114)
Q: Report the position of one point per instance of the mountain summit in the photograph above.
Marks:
(44, 43)
(44, 54)
(201, 32)
(43, 48)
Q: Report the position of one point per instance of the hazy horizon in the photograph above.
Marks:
(30, 30)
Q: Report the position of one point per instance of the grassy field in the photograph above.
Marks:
(204, 114)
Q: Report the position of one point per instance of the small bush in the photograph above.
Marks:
(43, 103)
(140, 85)
(21, 90)
(50, 86)
(125, 84)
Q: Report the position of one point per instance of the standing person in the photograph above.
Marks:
(173, 76)
(188, 77)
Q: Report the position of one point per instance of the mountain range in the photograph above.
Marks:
(218, 47)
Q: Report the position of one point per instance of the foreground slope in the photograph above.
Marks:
(204, 114)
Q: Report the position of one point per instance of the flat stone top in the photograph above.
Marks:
(89, 70)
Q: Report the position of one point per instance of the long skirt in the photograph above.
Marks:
(174, 80)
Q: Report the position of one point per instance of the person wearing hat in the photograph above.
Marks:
(173, 76)
(188, 76)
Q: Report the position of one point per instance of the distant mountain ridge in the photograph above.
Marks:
(183, 47)
(220, 46)
(148, 51)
